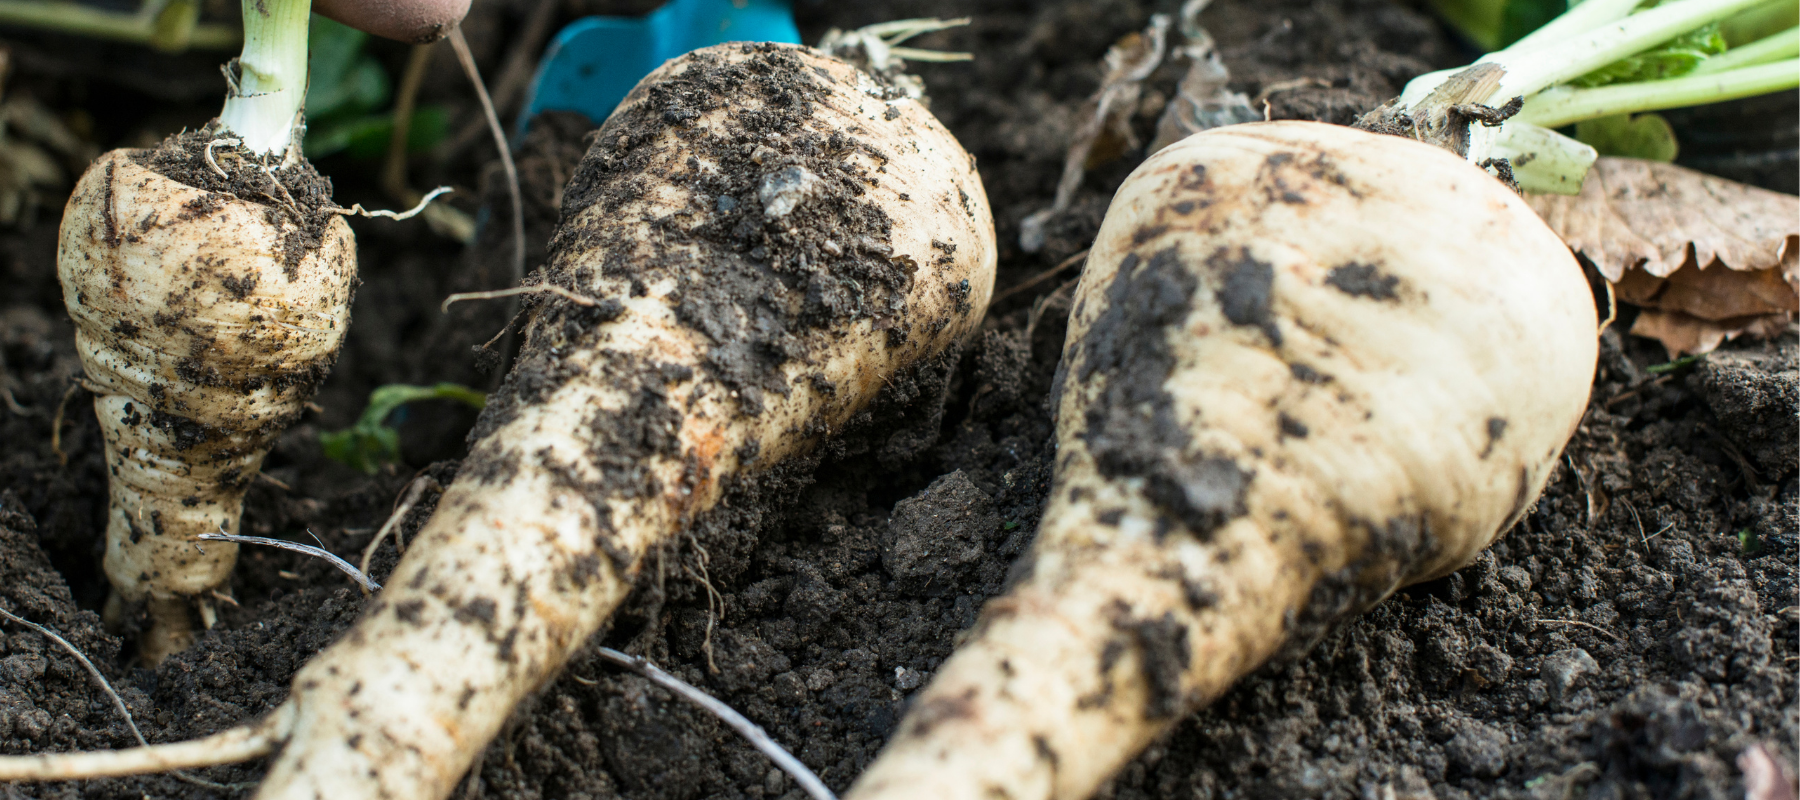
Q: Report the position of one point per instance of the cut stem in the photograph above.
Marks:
(268, 81)
(1564, 105)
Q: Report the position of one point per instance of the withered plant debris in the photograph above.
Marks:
(1706, 258)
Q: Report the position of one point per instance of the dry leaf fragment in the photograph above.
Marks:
(1707, 258)
(1202, 100)
(1683, 334)
(1105, 115)
(1656, 217)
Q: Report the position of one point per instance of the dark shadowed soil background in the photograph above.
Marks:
(1630, 639)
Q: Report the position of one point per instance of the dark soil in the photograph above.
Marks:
(1628, 639)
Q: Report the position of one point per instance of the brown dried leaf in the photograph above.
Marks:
(1708, 259)
(1713, 294)
(1682, 334)
(1656, 217)
(1105, 119)
(1203, 99)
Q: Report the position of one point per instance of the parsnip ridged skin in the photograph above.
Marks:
(1306, 366)
(203, 339)
(621, 422)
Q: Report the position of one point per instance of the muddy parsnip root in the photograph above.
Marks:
(205, 321)
(769, 238)
(1306, 365)
(866, 247)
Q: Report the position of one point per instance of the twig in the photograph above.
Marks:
(118, 702)
(518, 290)
(414, 492)
(1287, 86)
(461, 46)
(757, 737)
(57, 423)
(1040, 277)
(467, 60)
(105, 686)
(228, 142)
(406, 98)
(228, 746)
(712, 597)
(1609, 634)
(521, 61)
(320, 552)
(273, 481)
(358, 210)
(12, 404)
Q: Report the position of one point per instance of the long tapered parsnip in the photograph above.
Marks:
(1306, 365)
(763, 238)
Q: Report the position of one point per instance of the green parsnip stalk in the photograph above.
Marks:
(268, 82)
(1601, 58)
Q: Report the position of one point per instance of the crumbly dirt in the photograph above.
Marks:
(1628, 639)
(298, 198)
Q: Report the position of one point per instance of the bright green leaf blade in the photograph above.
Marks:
(371, 442)
(1646, 136)
(1479, 20)
(1672, 59)
(334, 50)
(1521, 17)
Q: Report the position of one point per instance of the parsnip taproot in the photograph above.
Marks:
(763, 237)
(1306, 365)
(210, 283)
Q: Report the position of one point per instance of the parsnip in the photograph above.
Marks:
(210, 284)
(1306, 365)
(763, 237)
(204, 321)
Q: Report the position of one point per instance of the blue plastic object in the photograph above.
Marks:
(594, 62)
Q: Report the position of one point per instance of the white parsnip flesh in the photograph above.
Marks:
(204, 324)
(1306, 365)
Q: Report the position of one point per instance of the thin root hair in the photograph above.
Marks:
(346, 567)
(357, 209)
(752, 732)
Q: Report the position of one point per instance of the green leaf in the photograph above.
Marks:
(1672, 59)
(366, 137)
(1493, 24)
(1646, 136)
(1671, 366)
(342, 79)
(1524, 16)
(370, 443)
(1748, 542)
